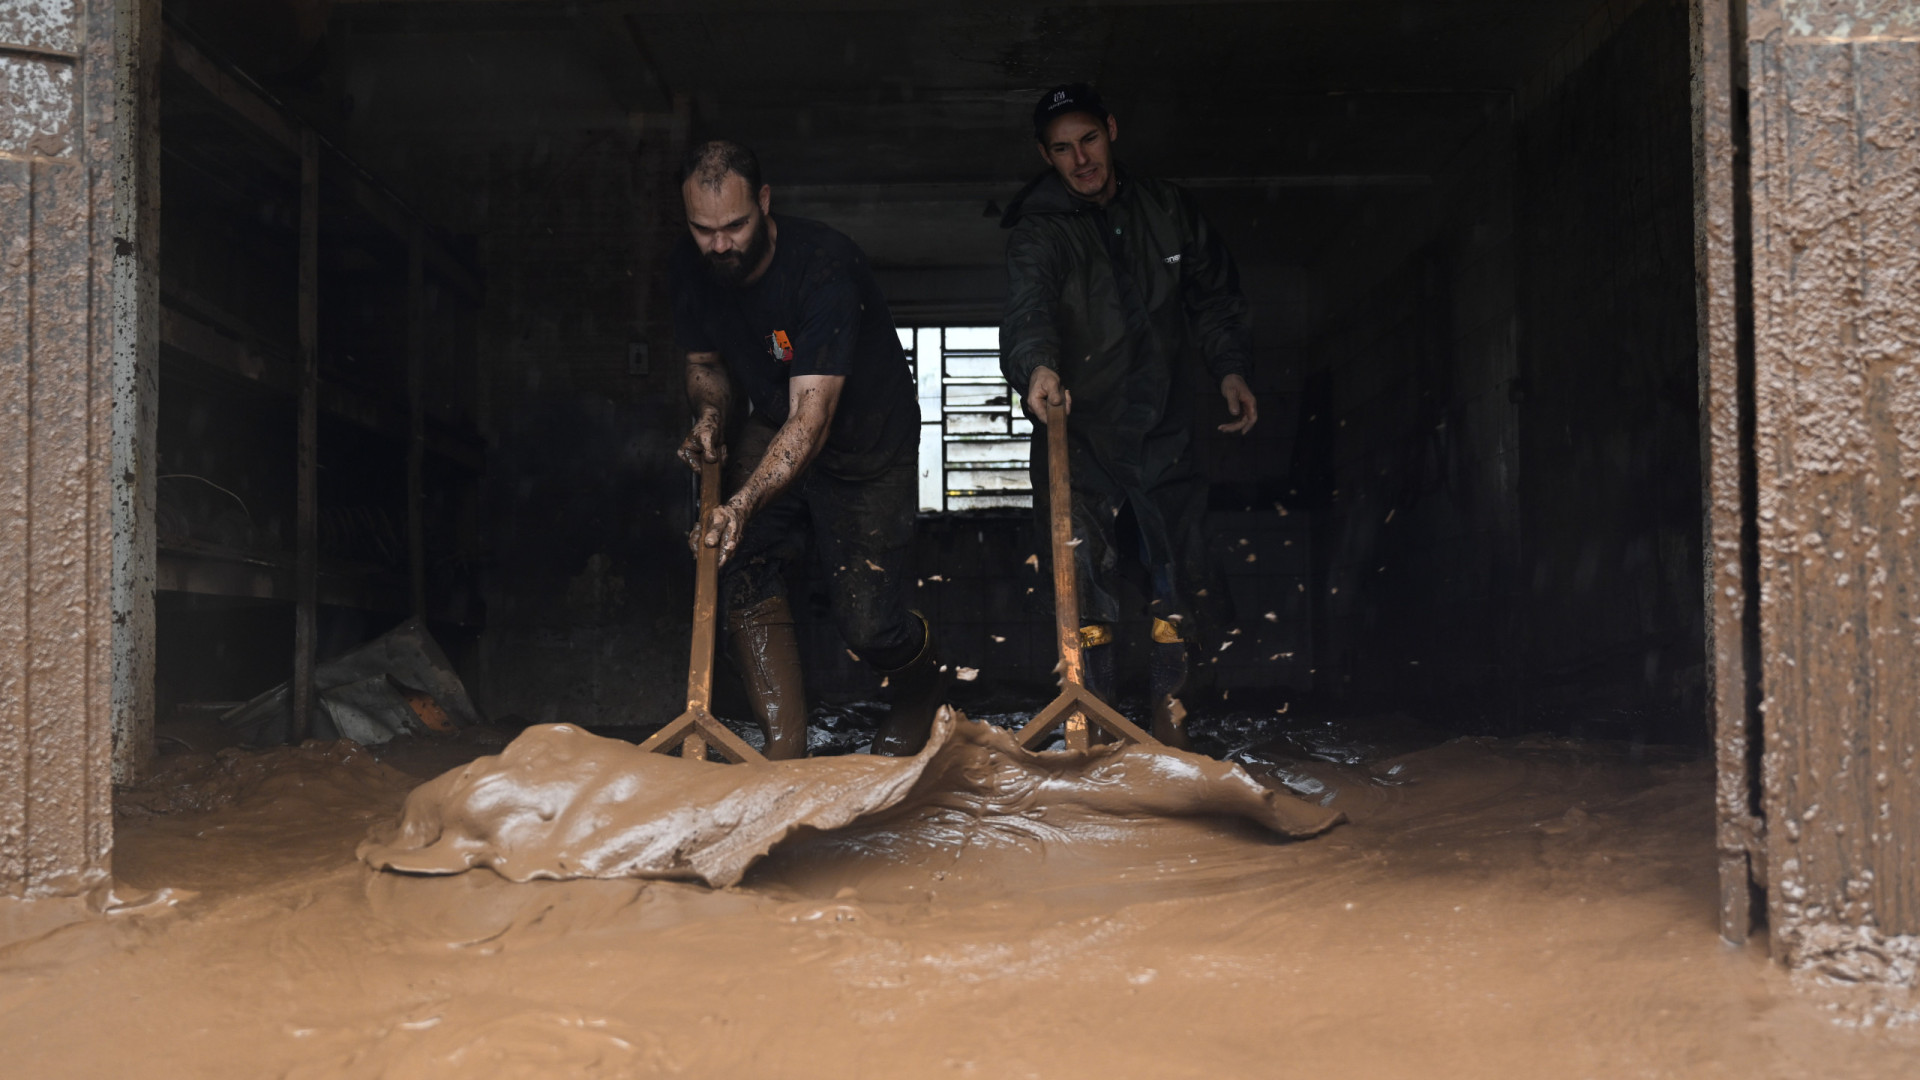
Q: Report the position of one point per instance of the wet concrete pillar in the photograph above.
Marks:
(75, 439)
(136, 381)
(1835, 129)
(1724, 304)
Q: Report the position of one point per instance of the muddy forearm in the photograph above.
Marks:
(794, 447)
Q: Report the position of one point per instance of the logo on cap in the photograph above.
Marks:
(1059, 96)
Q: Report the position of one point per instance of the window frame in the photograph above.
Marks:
(965, 370)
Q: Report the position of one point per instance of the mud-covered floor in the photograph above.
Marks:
(1517, 908)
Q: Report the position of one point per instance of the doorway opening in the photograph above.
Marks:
(1466, 237)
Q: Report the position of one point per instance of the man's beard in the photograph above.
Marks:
(736, 266)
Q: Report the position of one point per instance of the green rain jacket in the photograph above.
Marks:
(1118, 300)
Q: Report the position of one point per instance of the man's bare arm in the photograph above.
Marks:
(811, 403)
(710, 395)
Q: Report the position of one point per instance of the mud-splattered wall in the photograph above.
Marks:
(1836, 213)
(66, 464)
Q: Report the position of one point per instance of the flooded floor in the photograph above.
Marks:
(1494, 908)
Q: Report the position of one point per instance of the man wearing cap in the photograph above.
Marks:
(825, 448)
(1114, 282)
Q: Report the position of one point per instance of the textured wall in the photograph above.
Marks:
(1836, 211)
(56, 405)
(1722, 269)
(134, 382)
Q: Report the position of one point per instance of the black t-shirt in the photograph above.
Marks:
(816, 311)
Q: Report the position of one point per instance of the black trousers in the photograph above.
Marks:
(1170, 509)
(860, 533)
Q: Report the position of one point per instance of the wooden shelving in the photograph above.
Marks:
(296, 323)
(271, 369)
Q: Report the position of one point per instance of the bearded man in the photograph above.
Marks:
(1114, 281)
(824, 448)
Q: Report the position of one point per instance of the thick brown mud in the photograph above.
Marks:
(1493, 909)
(561, 803)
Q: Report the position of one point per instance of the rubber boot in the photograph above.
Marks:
(768, 656)
(1098, 672)
(919, 689)
(1166, 678)
(1097, 662)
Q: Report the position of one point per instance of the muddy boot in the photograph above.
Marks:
(1166, 678)
(1097, 662)
(919, 689)
(768, 656)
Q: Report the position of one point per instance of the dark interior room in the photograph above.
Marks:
(1464, 234)
(373, 700)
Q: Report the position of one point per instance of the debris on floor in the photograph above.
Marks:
(400, 682)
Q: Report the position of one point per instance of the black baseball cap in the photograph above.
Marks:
(1061, 100)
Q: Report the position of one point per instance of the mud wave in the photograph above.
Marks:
(560, 803)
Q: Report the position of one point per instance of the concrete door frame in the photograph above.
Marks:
(1724, 302)
(79, 240)
(1807, 144)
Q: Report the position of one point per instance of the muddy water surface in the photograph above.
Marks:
(1492, 909)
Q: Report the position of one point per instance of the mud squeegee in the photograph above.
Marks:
(694, 730)
(1077, 707)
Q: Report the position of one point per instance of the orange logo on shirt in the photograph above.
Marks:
(779, 345)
